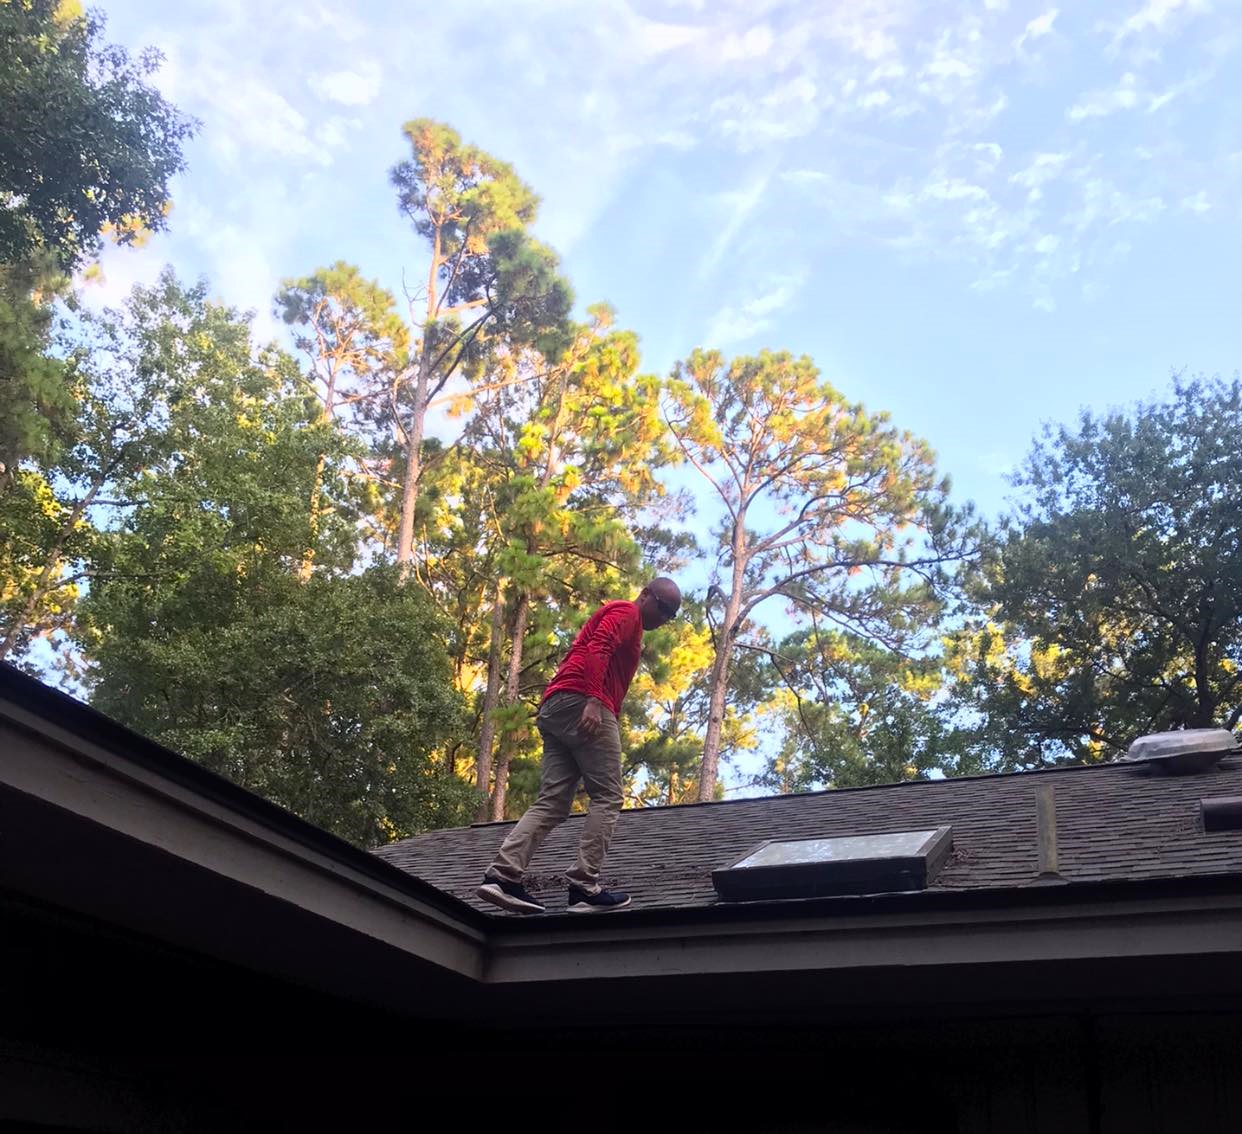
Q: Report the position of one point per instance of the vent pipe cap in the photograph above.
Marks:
(1183, 751)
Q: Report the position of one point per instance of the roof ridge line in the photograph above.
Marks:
(1058, 768)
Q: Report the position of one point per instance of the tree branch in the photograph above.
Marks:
(464, 338)
(701, 469)
(457, 262)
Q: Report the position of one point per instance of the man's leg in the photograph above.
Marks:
(557, 787)
(599, 760)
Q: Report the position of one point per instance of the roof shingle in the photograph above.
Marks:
(1114, 823)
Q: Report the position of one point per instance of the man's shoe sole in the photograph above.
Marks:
(490, 892)
(586, 907)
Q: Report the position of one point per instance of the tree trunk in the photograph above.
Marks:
(719, 680)
(413, 468)
(491, 695)
(507, 745)
(519, 634)
(719, 685)
(1205, 700)
(414, 435)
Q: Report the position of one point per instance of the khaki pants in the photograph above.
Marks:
(567, 760)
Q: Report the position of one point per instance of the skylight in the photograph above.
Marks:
(850, 864)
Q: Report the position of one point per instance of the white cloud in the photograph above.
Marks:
(992, 279)
(1040, 25)
(739, 206)
(900, 199)
(788, 110)
(1101, 203)
(357, 86)
(1155, 15)
(1177, 90)
(1097, 104)
(893, 69)
(242, 270)
(889, 113)
(806, 176)
(946, 67)
(754, 44)
(244, 117)
(953, 189)
(335, 132)
(120, 269)
(655, 38)
(986, 226)
(676, 139)
(987, 154)
(1160, 101)
(319, 18)
(1044, 167)
(745, 320)
(866, 30)
(1037, 28)
(251, 115)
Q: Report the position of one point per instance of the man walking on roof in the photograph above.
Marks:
(581, 742)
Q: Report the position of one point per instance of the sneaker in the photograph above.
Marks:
(512, 896)
(602, 901)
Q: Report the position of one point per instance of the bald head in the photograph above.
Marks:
(659, 601)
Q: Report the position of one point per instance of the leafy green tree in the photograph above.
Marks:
(488, 282)
(825, 507)
(356, 344)
(39, 536)
(1113, 600)
(37, 391)
(857, 713)
(666, 713)
(39, 400)
(87, 144)
(329, 697)
(130, 367)
(571, 445)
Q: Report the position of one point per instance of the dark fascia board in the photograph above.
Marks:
(883, 937)
(873, 875)
(93, 726)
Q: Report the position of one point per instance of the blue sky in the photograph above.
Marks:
(978, 216)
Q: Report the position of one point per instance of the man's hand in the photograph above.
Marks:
(591, 719)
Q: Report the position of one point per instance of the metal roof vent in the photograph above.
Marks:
(1223, 813)
(1184, 751)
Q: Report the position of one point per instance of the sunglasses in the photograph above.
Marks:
(665, 607)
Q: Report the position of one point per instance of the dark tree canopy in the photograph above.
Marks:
(87, 144)
(1118, 586)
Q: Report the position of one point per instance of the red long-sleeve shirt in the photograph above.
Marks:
(604, 657)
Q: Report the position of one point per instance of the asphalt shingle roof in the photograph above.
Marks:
(1114, 823)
